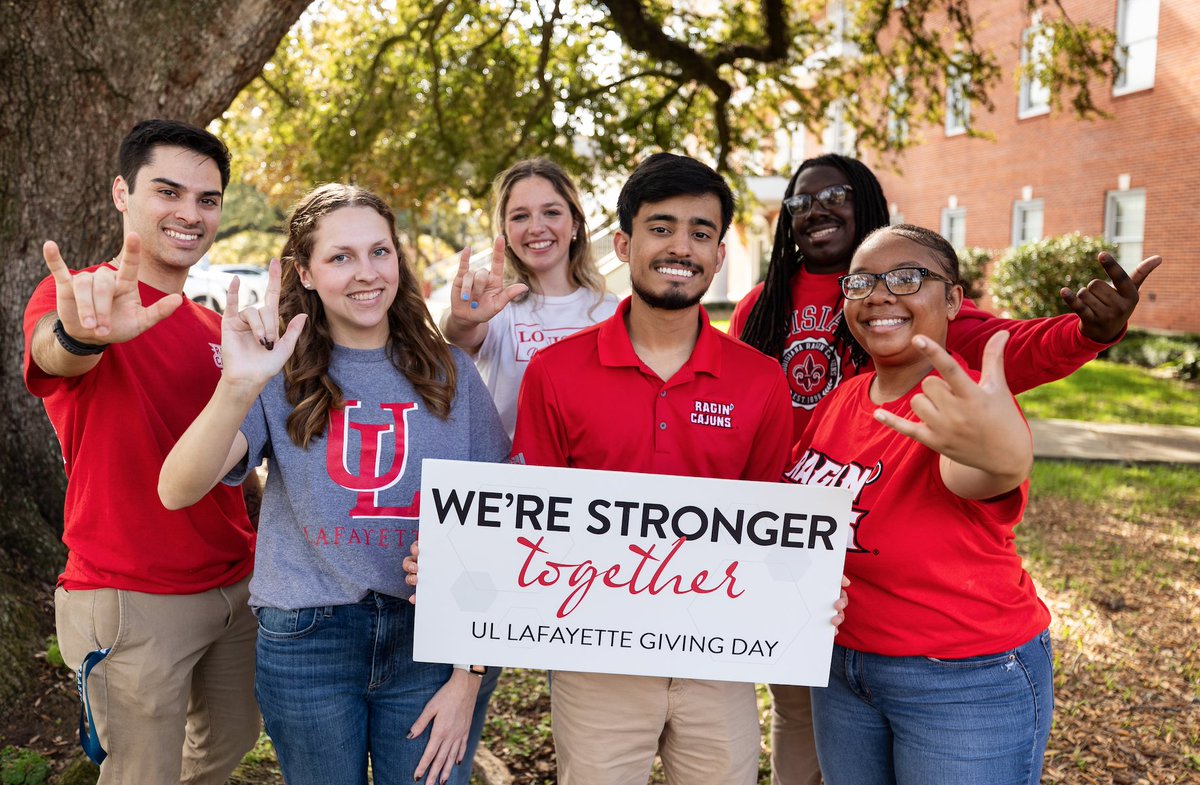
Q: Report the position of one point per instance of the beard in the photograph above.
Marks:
(674, 299)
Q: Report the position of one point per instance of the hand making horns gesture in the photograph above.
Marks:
(1103, 307)
(105, 306)
(478, 295)
(252, 349)
(977, 428)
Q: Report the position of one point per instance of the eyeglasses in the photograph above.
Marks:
(829, 198)
(901, 281)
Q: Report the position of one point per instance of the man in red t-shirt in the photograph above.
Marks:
(124, 364)
(637, 393)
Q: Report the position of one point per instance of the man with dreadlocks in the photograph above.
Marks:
(833, 202)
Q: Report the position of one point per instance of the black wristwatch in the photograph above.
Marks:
(478, 670)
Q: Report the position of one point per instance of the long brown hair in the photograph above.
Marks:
(581, 267)
(414, 345)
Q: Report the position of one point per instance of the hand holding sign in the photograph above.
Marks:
(410, 568)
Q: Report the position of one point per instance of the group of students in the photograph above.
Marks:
(859, 364)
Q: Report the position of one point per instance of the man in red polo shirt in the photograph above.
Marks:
(657, 389)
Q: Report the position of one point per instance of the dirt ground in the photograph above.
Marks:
(1125, 595)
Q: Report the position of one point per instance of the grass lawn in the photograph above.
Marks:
(1108, 392)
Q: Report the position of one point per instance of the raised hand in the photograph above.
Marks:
(977, 426)
(252, 349)
(1104, 308)
(478, 295)
(105, 306)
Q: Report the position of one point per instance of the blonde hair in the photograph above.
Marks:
(581, 267)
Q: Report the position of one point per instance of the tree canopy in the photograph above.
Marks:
(428, 101)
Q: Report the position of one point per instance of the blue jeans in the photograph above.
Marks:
(924, 721)
(338, 684)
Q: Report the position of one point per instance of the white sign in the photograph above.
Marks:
(614, 572)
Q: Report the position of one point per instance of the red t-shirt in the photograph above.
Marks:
(932, 574)
(115, 424)
(1039, 351)
(589, 402)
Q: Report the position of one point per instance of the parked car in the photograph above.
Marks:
(207, 283)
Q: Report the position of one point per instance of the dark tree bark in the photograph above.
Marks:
(75, 75)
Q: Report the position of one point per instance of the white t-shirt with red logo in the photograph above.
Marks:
(520, 330)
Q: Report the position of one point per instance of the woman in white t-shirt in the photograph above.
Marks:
(542, 286)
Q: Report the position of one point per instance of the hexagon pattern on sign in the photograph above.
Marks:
(474, 592)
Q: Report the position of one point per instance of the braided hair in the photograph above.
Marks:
(769, 321)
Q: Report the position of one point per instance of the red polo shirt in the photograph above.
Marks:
(589, 402)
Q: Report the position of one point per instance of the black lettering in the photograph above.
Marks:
(625, 508)
(793, 523)
(485, 508)
(734, 527)
(602, 524)
(444, 506)
(555, 513)
(524, 502)
(701, 518)
(826, 534)
(654, 516)
(771, 534)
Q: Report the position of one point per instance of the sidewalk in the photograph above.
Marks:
(1086, 441)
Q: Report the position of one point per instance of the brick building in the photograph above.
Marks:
(1134, 178)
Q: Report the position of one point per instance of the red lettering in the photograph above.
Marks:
(581, 576)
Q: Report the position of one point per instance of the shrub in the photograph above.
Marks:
(23, 767)
(54, 653)
(1027, 278)
(1177, 354)
(972, 266)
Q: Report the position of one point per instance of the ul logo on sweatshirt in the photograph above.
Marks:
(369, 478)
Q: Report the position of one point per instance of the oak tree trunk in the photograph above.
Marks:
(75, 75)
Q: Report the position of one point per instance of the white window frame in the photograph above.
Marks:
(958, 108)
(1022, 208)
(1144, 48)
(839, 135)
(949, 216)
(1111, 200)
(1034, 96)
(897, 127)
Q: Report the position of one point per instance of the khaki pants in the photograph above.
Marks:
(608, 728)
(174, 700)
(793, 748)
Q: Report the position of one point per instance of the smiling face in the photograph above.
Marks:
(674, 250)
(354, 268)
(884, 324)
(824, 236)
(174, 204)
(538, 226)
